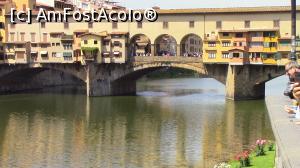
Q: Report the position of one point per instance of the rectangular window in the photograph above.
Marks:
(85, 42)
(66, 25)
(247, 24)
(226, 44)
(225, 34)
(273, 44)
(284, 43)
(68, 46)
(32, 37)
(266, 45)
(192, 24)
(256, 44)
(225, 55)
(239, 35)
(255, 34)
(90, 25)
(276, 23)
(53, 54)
(114, 25)
(57, 44)
(53, 44)
(2, 25)
(117, 44)
(22, 36)
(19, 46)
(139, 25)
(211, 44)
(43, 24)
(95, 42)
(236, 55)
(165, 25)
(55, 35)
(269, 34)
(2, 57)
(211, 55)
(106, 43)
(219, 24)
(43, 46)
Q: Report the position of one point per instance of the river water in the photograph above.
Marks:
(183, 122)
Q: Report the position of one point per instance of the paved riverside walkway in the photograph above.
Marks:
(286, 132)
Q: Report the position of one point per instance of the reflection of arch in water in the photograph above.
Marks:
(140, 45)
(165, 45)
(191, 45)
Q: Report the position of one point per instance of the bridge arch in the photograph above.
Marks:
(142, 69)
(139, 45)
(191, 45)
(165, 45)
(23, 77)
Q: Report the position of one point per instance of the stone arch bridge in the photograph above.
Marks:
(242, 82)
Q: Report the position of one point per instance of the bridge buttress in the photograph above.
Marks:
(248, 81)
(101, 80)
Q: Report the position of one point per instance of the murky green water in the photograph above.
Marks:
(171, 123)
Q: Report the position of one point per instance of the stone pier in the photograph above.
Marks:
(248, 81)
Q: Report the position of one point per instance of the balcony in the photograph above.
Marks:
(239, 61)
(239, 39)
(270, 49)
(284, 48)
(9, 50)
(256, 49)
(226, 48)
(67, 38)
(269, 61)
(211, 48)
(90, 53)
(20, 49)
(221, 37)
(211, 38)
(256, 60)
(243, 48)
(270, 39)
(257, 39)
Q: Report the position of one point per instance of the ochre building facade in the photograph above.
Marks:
(238, 36)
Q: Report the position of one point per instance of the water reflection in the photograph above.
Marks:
(174, 130)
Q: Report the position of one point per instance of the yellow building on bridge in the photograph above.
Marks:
(243, 46)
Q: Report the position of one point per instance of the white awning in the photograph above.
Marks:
(106, 53)
(116, 53)
(44, 52)
(33, 52)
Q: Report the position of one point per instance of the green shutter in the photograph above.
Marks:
(67, 54)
